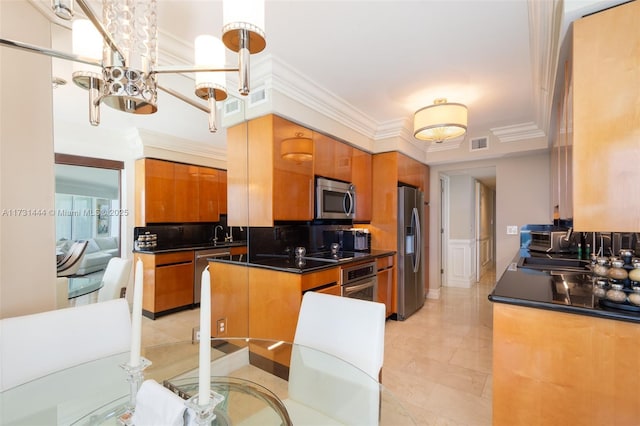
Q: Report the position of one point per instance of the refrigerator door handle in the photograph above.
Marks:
(415, 222)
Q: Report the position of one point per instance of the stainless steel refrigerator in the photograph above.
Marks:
(410, 281)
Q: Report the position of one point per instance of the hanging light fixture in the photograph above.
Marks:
(123, 74)
(440, 121)
(298, 148)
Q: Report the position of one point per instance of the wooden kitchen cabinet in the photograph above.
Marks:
(267, 187)
(361, 177)
(208, 199)
(154, 203)
(168, 282)
(168, 192)
(386, 274)
(606, 154)
(332, 158)
(263, 303)
(229, 299)
(563, 369)
(389, 169)
(275, 298)
(185, 192)
(222, 191)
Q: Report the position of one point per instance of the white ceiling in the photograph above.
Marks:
(381, 60)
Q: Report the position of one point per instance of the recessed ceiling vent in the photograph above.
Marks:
(477, 144)
(231, 106)
(258, 96)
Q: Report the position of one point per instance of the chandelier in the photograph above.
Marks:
(440, 121)
(115, 59)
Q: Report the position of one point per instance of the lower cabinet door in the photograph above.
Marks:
(174, 286)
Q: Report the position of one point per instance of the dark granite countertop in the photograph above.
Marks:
(284, 263)
(177, 248)
(570, 292)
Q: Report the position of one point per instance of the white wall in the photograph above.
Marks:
(522, 197)
(27, 247)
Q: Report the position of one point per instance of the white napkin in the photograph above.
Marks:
(157, 405)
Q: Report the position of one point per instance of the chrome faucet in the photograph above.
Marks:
(229, 237)
(215, 233)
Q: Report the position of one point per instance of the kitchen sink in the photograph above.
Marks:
(554, 264)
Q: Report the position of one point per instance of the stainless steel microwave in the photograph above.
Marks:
(335, 199)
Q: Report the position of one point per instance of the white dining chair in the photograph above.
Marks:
(334, 333)
(116, 276)
(62, 292)
(33, 346)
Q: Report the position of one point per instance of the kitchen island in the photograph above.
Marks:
(261, 298)
(559, 355)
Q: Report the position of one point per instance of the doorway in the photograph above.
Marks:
(467, 224)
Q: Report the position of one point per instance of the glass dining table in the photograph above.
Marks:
(258, 381)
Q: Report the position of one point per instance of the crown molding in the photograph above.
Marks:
(517, 132)
(545, 24)
(179, 145)
(287, 80)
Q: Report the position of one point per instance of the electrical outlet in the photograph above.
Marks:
(195, 335)
(512, 230)
(221, 327)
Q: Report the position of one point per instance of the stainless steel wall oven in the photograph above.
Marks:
(359, 281)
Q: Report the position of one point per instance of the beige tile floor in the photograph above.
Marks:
(437, 362)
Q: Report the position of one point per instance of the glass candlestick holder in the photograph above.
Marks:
(135, 377)
(204, 413)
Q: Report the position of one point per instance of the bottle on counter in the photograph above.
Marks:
(579, 251)
(587, 253)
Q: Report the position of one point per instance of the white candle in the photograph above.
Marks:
(204, 385)
(136, 315)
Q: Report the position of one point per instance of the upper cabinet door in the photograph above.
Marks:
(208, 200)
(361, 176)
(186, 193)
(332, 159)
(606, 120)
(292, 179)
(157, 191)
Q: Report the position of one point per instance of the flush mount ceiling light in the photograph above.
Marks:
(116, 59)
(440, 121)
(297, 149)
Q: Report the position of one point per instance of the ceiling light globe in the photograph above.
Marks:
(440, 121)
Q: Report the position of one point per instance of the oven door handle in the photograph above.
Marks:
(351, 289)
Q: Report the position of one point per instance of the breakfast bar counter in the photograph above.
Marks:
(562, 290)
(559, 356)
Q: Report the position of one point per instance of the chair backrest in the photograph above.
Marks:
(62, 292)
(71, 263)
(116, 276)
(351, 329)
(334, 334)
(32, 346)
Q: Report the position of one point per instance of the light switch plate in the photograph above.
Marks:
(512, 230)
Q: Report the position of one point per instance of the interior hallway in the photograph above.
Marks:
(437, 362)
